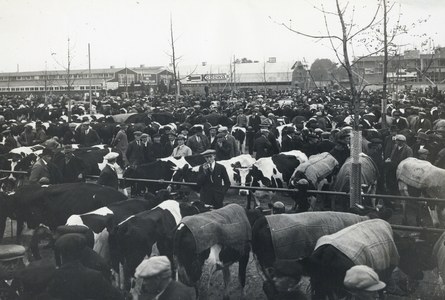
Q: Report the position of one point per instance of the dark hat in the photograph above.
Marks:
(393, 128)
(376, 141)
(209, 152)
(396, 113)
(156, 135)
(68, 149)
(11, 252)
(137, 132)
(313, 136)
(38, 123)
(422, 135)
(423, 151)
(220, 135)
(289, 129)
(214, 128)
(71, 244)
(47, 151)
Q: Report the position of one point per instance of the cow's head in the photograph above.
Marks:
(190, 263)
(242, 176)
(285, 276)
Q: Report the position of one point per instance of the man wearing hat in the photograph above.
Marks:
(241, 119)
(40, 133)
(44, 171)
(364, 283)
(181, 150)
(421, 143)
(290, 141)
(399, 153)
(134, 151)
(234, 150)
(120, 142)
(262, 147)
(389, 142)
(170, 144)
(399, 121)
(212, 180)
(213, 131)
(222, 147)
(198, 142)
(421, 123)
(70, 136)
(10, 141)
(158, 148)
(73, 280)
(108, 175)
(27, 137)
(11, 263)
(73, 168)
(157, 281)
(88, 136)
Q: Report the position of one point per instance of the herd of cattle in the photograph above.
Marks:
(286, 247)
(122, 232)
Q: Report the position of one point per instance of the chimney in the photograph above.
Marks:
(111, 67)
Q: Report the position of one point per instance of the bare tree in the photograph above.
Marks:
(342, 45)
(68, 78)
(46, 81)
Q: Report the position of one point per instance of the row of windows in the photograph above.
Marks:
(51, 88)
(50, 77)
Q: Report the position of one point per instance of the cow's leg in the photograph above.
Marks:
(249, 198)
(244, 260)
(226, 278)
(403, 188)
(40, 233)
(434, 215)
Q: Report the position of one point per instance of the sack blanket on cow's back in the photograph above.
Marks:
(295, 235)
(227, 226)
(369, 243)
(369, 173)
(439, 252)
(422, 174)
(318, 167)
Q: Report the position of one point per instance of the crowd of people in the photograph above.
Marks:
(316, 122)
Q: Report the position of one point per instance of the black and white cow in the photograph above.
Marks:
(161, 169)
(220, 236)
(236, 168)
(274, 171)
(239, 133)
(133, 239)
(53, 205)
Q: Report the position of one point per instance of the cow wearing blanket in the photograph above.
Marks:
(223, 236)
(421, 174)
(371, 243)
(288, 240)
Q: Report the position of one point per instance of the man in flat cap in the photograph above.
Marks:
(364, 283)
(73, 168)
(399, 153)
(134, 151)
(198, 142)
(74, 281)
(27, 137)
(44, 171)
(421, 122)
(108, 175)
(157, 281)
(262, 147)
(213, 180)
(170, 144)
(11, 262)
(120, 141)
(182, 149)
(10, 141)
(88, 136)
(70, 136)
(399, 121)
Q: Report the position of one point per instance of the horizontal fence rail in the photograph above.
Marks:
(284, 190)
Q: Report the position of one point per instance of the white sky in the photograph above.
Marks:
(34, 33)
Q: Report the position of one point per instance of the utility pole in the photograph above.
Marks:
(89, 71)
